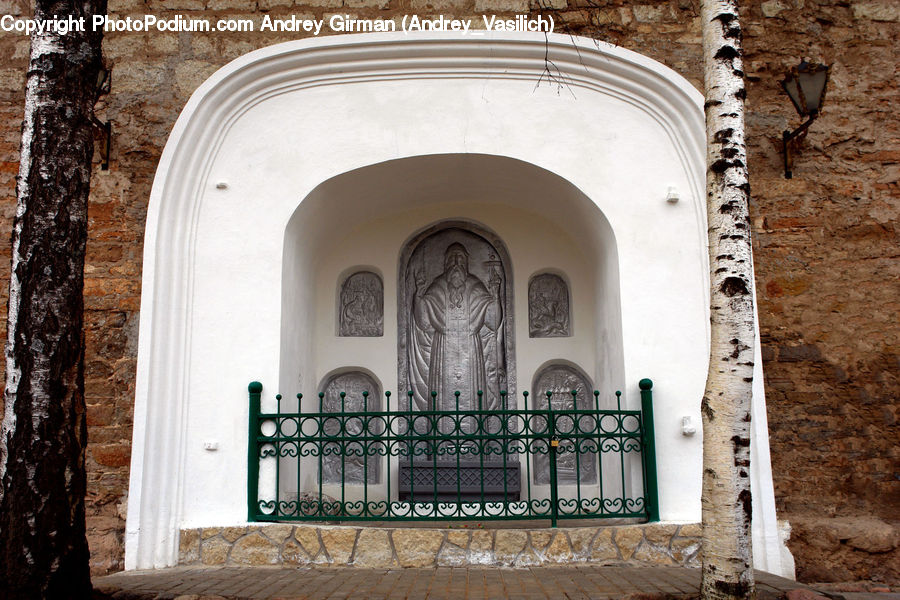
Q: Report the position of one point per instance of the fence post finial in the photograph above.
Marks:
(255, 390)
(651, 487)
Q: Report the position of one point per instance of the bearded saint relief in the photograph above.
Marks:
(456, 323)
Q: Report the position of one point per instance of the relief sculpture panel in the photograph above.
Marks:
(345, 461)
(560, 381)
(548, 306)
(455, 320)
(361, 306)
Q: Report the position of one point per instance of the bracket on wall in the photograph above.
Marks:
(787, 137)
(105, 131)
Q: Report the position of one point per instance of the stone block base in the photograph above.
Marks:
(379, 547)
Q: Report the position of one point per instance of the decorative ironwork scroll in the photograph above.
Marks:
(361, 310)
(447, 474)
(548, 306)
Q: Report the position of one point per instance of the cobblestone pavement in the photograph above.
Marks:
(450, 583)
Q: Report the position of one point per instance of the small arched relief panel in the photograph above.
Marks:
(549, 307)
(343, 460)
(361, 306)
(554, 385)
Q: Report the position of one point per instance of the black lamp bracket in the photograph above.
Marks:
(105, 134)
(787, 137)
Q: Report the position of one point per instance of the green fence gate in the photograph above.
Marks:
(411, 465)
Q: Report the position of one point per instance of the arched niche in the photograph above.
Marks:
(378, 215)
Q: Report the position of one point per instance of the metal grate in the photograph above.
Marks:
(455, 465)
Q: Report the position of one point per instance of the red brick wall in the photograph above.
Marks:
(826, 241)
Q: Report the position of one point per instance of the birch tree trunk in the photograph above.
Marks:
(44, 551)
(726, 546)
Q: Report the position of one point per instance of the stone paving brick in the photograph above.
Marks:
(457, 583)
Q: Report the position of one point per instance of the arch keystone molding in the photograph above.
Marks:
(595, 151)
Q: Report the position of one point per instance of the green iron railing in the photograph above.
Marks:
(400, 464)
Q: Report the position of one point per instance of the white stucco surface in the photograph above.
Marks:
(298, 162)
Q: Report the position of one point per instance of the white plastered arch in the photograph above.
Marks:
(258, 136)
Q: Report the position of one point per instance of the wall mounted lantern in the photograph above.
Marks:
(805, 85)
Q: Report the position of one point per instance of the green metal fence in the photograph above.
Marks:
(399, 464)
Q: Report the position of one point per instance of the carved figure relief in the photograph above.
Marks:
(345, 461)
(548, 306)
(455, 315)
(361, 307)
(560, 380)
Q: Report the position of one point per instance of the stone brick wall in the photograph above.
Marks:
(826, 241)
(827, 271)
(291, 546)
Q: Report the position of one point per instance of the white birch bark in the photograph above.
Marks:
(726, 500)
